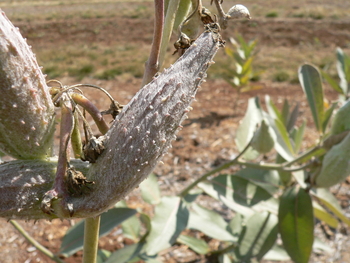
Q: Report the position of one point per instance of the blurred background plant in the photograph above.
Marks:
(270, 205)
(239, 72)
(342, 87)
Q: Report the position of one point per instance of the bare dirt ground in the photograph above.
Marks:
(207, 138)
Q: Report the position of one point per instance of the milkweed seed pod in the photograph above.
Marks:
(335, 165)
(263, 140)
(139, 137)
(26, 109)
(238, 11)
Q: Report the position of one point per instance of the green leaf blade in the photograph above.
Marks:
(197, 245)
(310, 80)
(210, 223)
(259, 236)
(74, 239)
(296, 223)
(150, 191)
(171, 217)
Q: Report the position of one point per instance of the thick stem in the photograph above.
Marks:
(59, 191)
(222, 15)
(77, 145)
(168, 29)
(92, 110)
(152, 64)
(91, 236)
(35, 243)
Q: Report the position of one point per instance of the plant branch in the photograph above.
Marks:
(265, 166)
(167, 29)
(152, 64)
(91, 237)
(35, 243)
(77, 145)
(214, 171)
(317, 150)
(92, 110)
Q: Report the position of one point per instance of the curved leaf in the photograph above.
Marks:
(126, 253)
(247, 127)
(259, 236)
(171, 217)
(150, 190)
(210, 223)
(74, 238)
(326, 198)
(296, 223)
(333, 83)
(325, 216)
(197, 245)
(241, 194)
(310, 80)
(131, 228)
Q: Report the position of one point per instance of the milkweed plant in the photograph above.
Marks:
(274, 203)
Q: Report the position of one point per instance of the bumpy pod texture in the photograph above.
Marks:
(24, 182)
(26, 109)
(137, 140)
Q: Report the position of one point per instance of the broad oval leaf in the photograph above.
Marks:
(333, 83)
(247, 128)
(171, 217)
(241, 194)
(325, 197)
(102, 255)
(126, 253)
(259, 236)
(74, 239)
(342, 70)
(296, 223)
(310, 80)
(210, 223)
(150, 190)
(131, 228)
(197, 245)
(322, 214)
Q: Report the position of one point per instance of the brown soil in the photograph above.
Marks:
(207, 138)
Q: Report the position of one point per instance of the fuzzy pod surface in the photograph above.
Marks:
(138, 138)
(26, 109)
(24, 182)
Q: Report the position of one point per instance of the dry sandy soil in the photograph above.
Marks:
(208, 135)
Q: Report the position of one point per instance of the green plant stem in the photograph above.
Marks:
(266, 166)
(91, 236)
(35, 243)
(92, 110)
(77, 145)
(306, 156)
(220, 168)
(152, 64)
(168, 28)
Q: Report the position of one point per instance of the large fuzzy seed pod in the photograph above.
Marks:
(26, 109)
(137, 140)
(24, 182)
